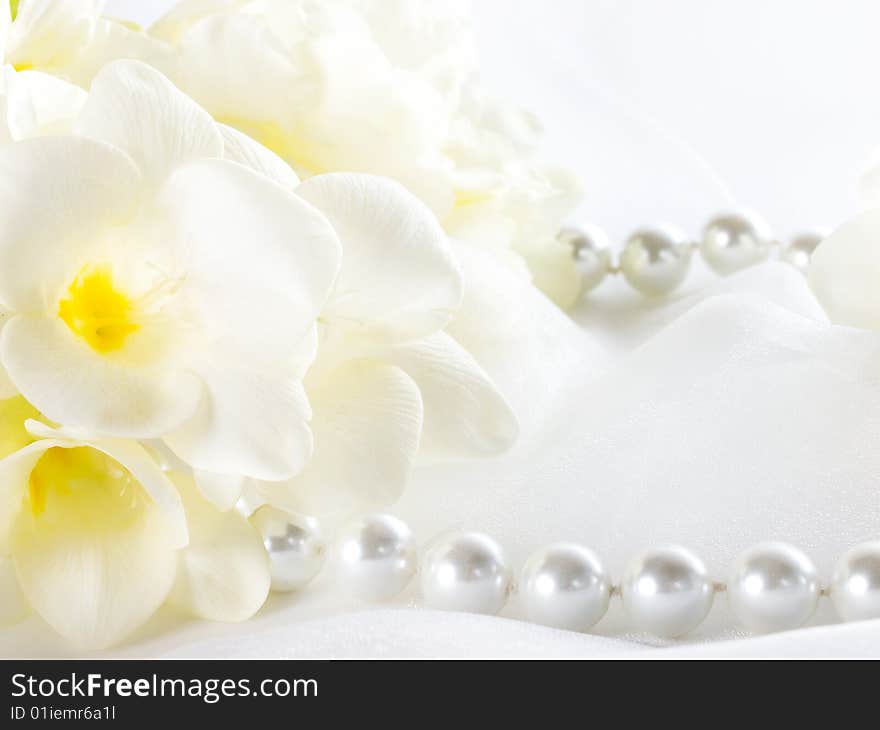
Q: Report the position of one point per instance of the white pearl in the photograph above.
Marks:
(590, 249)
(799, 252)
(655, 261)
(773, 587)
(855, 587)
(667, 591)
(294, 544)
(376, 557)
(465, 572)
(735, 241)
(565, 586)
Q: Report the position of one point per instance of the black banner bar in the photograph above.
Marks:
(263, 693)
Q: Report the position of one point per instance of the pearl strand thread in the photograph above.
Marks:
(665, 591)
(656, 260)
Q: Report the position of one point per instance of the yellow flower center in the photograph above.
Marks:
(84, 487)
(97, 311)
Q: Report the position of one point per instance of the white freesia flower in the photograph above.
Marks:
(505, 200)
(385, 88)
(388, 385)
(68, 38)
(388, 382)
(153, 290)
(95, 536)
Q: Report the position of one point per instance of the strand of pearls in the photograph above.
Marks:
(655, 261)
(665, 591)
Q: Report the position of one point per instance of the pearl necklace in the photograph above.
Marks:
(665, 591)
(655, 261)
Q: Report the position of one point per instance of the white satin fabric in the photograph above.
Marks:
(731, 414)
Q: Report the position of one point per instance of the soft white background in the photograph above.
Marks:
(669, 107)
(730, 415)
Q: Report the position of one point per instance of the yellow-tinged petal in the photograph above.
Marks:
(94, 553)
(14, 412)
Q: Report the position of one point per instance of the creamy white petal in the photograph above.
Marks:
(5, 22)
(40, 104)
(7, 387)
(240, 148)
(137, 109)
(13, 604)
(367, 422)
(58, 198)
(247, 423)
(184, 13)
(48, 33)
(845, 269)
(465, 414)
(113, 40)
(96, 586)
(264, 81)
(262, 260)
(71, 383)
(262, 263)
(398, 278)
(221, 490)
(223, 573)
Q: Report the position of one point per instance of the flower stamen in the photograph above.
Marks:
(97, 311)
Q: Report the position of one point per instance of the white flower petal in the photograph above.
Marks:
(113, 40)
(845, 269)
(13, 604)
(58, 196)
(184, 13)
(465, 414)
(237, 68)
(398, 278)
(71, 383)
(40, 104)
(48, 33)
(137, 109)
(5, 23)
(95, 586)
(367, 423)
(7, 387)
(248, 423)
(262, 263)
(262, 260)
(240, 148)
(221, 490)
(223, 573)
